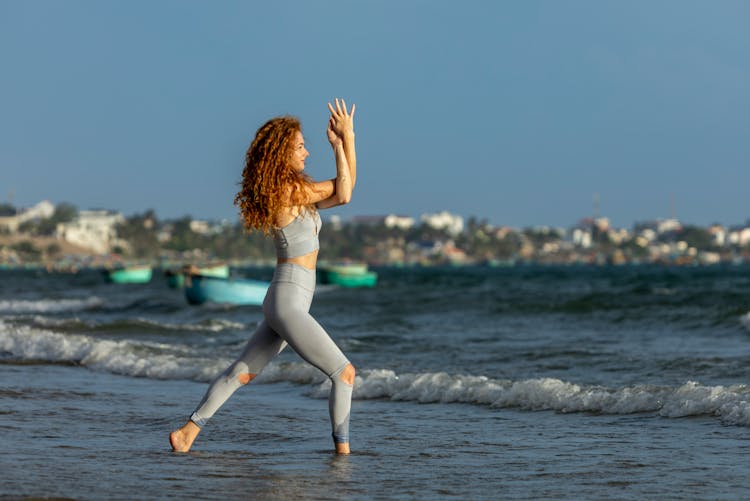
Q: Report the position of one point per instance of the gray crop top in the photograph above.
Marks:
(299, 237)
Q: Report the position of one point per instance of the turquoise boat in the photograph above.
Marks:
(129, 275)
(201, 289)
(348, 275)
(176, 278)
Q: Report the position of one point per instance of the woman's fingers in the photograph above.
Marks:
(340, 109)
(341, 118)
(341, 106)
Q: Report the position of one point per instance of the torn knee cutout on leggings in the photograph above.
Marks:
(347, 375)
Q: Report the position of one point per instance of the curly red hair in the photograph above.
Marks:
(268, 182)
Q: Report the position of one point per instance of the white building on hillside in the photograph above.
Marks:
(581, 237)
(718, 234)
(42, 210)
(9, 223)
(740, 236)
(200, 227)
(93, 229)
(668, 225)
(400, 222)
(444, 221)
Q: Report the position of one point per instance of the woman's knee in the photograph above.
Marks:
(239, 372)
(245, 377)
(348, 374)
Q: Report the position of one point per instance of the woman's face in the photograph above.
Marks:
(299, 152)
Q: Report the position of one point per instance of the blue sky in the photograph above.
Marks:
(516, 112)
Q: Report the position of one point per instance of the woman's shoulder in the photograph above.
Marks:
(283, 220)
(289, 216)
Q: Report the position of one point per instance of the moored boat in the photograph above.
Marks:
(176, 278)
(129, 275)
(348, 275)
(201, 289)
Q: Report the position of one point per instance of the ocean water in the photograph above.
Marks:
(473, 383)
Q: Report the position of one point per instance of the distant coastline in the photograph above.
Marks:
(62, 237)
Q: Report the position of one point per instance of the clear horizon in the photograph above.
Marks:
(519, 113)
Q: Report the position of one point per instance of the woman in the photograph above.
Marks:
(278, 198)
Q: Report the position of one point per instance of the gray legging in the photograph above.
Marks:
(287, 320)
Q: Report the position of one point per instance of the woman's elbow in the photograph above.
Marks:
(344, 195)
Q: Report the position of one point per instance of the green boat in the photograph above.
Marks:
(200, 289)
(348, 275)
(129, 275)
(176, 279)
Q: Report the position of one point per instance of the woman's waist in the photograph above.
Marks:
(308, 260)
(293, 272)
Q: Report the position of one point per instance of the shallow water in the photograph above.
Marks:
(578, 383)
(76, 434)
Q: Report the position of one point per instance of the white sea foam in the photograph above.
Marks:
(212, 325)
(745, 320)
(44, 321)
(176, 361)
(49, 305)
(132, 358)
(731, 404)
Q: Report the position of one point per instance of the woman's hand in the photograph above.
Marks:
(333, 138)
(342, 121)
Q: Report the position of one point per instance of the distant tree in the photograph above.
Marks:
(237, 243)
(697, 237)
(64, 213)
(140, 232)
(27, 250)
(30, 227)
(539, 237)
(53, 250)
(425, 232)
(632, 249)
(508, 247)
(184, 238)
(7, 210)
(478, 239)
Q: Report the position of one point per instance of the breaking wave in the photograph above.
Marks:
(131, 358)
(731, 404)
(745, 320)
(49, 305)
(209, 325)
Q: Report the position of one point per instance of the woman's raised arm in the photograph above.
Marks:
(340, 132)
(343, 125)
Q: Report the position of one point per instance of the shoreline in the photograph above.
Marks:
(109, 435)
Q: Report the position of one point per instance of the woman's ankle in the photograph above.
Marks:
(342, 448)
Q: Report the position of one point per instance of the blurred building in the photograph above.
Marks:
(42, 210)
(451, 223)
(92, 229)
(400, 222)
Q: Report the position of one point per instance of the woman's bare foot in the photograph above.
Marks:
(182, 439)
(343, 448)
